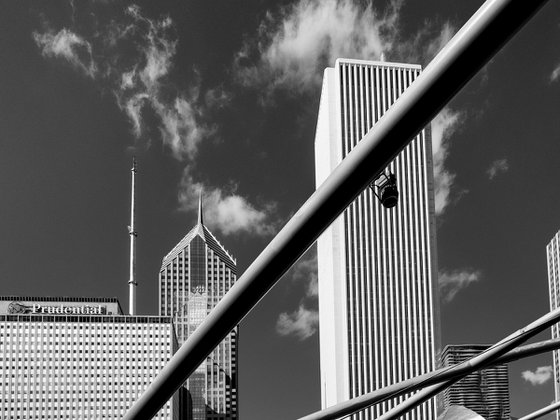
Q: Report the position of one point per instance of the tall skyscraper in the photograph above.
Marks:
(193, 278)
(486, 392)
(378, 302)
(553, 262)
(78, 358)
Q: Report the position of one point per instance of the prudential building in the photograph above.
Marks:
(378, 303)
(78, 358)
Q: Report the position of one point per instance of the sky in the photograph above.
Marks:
(224, 96)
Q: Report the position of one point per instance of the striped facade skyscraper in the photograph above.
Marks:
(194, 276)
(486, 392)
(553, 263)
(378, 302)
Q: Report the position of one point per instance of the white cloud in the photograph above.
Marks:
(499, 166)
(227, 211)
(452, 282)
(157, 46)
(233, 214)
(180, 129)
(137, 57)
(302, 323)
(555, 75)
(143, 86)
(304, 271)
(296, 46)
(539, 377)
(443, 126)
(69, 46)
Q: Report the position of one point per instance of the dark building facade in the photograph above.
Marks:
(193, 278)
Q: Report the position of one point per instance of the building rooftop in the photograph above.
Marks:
(201, 230)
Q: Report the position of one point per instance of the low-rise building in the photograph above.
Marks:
(78, 358)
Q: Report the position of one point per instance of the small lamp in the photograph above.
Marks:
(387, 192)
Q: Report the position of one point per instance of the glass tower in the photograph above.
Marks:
(193, 278)
(378, 302)
(553, 262)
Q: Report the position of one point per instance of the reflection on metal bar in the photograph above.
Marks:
(415, 400)
(354, 405)
(491, 26)
(539, 413)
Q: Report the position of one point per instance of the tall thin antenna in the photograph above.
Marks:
(132, 232)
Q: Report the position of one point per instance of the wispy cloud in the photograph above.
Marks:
(181, 128)
(226, 210)
(143, 84)
(539, 377)
(294, 44)
(499, 166)
(452, 282)
(555, 75)
(69, 46)
(304, 272)
(444, 125)
(303, 322)
(135, 56)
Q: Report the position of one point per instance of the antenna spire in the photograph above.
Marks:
(132, 232)
(200, 222)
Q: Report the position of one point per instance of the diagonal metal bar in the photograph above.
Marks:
(354, 405)
(539, 413)
(477, 362)
(489, 28)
